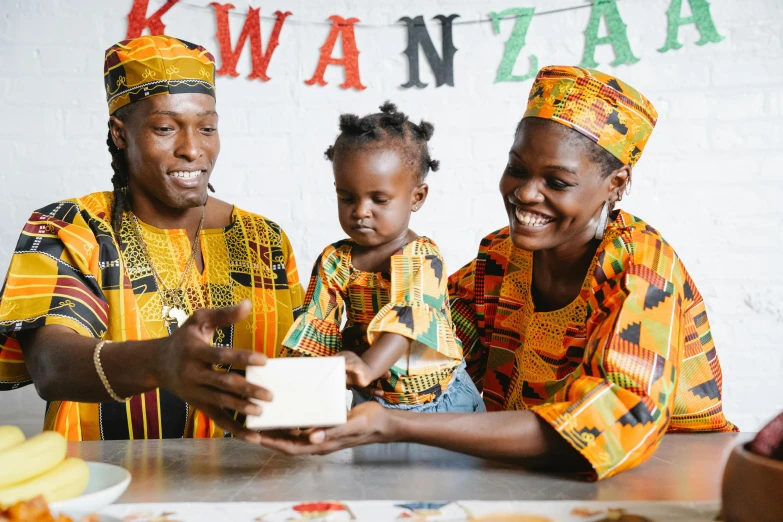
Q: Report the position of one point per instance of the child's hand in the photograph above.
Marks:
(357, 373)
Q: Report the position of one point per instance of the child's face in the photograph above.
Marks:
(376, 192)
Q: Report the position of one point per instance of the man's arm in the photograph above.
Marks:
(60, 362)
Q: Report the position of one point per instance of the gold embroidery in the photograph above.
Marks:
(541, 334)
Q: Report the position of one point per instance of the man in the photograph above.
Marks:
(122, 307)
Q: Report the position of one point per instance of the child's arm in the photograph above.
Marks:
(376, 361)
(316, 332)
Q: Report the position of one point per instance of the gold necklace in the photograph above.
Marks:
(173, 310)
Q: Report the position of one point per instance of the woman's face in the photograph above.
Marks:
(171, 143)
(552, 189)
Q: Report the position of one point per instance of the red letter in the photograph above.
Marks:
(350, 59)
(251, 29)
(138, 21)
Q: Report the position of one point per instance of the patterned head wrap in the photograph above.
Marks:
(607, 110)
(152, 65)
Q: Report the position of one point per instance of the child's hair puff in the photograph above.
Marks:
(388, 127)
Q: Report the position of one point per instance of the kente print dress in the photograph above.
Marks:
(411, 301)
(629, 359)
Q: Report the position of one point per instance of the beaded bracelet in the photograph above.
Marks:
(96, 357)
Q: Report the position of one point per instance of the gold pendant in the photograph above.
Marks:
(172, 314)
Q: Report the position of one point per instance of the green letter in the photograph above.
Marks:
(514, 44)
(616, 37)
(700, 16)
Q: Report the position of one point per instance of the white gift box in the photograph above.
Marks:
(307, 392)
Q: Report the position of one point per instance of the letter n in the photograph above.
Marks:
(442, 67)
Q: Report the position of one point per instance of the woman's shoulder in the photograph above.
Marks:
(496, 236)
(634, 225)
(636, 232)
(497, 246)
(631, 241)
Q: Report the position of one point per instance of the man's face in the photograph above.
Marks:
(171, 144)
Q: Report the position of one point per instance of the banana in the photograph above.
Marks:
(66, 480)
(31, 457)
(10, 436)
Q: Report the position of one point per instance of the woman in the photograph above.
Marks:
(579, 322)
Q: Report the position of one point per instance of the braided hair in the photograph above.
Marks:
(120, 202)
(121, 178)
(388, 127)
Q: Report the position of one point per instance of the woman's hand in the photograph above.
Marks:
(368, 423)
(186, 362)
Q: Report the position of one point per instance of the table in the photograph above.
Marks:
(687, 467)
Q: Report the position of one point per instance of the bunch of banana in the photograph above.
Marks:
(38, 466)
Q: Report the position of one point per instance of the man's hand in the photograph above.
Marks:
(185, 366)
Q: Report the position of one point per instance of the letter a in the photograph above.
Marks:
(617, 38)
(701, 16)
(350, 59)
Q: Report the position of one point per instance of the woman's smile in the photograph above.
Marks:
(530, 219)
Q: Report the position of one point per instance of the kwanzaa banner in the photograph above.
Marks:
(442, 64)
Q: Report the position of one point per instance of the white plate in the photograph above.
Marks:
(107, 483)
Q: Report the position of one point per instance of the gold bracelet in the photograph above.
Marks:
(96, 357)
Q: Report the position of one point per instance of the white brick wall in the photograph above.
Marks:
(709, 179)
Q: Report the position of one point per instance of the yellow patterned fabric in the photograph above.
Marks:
(605, 109)
(411, 301)
(153, 65)
(69, 270)
(630, 358)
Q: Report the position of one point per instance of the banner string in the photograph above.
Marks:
(360, 25)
